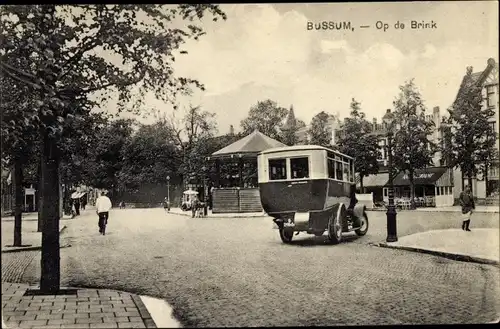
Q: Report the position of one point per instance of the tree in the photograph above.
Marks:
(106, 156)
(412, 147)
(472, 137)
(18, 142)
(320, 131)
(357, 141)
(149, 157)
(266, 117)
(192, 135)
(69, 46)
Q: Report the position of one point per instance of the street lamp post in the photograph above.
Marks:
(392, 235)
(205, 210)
(168, 193)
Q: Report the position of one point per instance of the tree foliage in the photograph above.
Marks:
(192, 135)
(106, 155)
(472, 136)
(149, 157)
(320, 131)
(357, 141)
(266, 117)
(412, 147)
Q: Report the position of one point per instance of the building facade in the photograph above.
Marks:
(484, 187)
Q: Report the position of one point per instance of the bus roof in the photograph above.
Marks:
(301, 148)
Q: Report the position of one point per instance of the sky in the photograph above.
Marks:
(265, 51)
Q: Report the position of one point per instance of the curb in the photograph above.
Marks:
(218, 217)
(34, 248)
(452, 256)
(424, 211)
(143, 311)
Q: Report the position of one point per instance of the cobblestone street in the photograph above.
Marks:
(236, 272)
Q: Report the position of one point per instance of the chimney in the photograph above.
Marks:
(388, 111)
(231, 130)
(436, 109)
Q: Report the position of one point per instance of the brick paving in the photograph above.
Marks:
(88, 308)
(13, 268)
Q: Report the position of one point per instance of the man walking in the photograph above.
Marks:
(467, 203)
(103, 205)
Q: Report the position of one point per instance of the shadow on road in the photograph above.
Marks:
(317, 241)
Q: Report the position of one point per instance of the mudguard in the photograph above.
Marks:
(359, 210)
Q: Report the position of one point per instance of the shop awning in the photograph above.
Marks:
(379, 180)
(428, 176)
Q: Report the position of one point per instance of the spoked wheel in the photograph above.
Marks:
(364, 226)
(335, 224)
(286, 235)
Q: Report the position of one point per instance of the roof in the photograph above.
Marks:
(300, 147)
(251, 144)
(378, 180)
(479, 77)
(427, 176)
(290, 120)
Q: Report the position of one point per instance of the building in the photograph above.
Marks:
(488, 79)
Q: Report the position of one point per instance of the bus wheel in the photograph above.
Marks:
(335, 224)
(364, 225)
(286, 235)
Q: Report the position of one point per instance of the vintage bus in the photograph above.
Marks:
(310, 188)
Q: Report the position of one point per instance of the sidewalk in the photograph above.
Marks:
(30, 238)
(486, 209)
(480, 209)
(481, 245)
(178, 211)
(79, 308)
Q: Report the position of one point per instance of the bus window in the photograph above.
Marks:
(347, 171)
(338, 170)
(331, 168)
(277, 169)
(299, 168)
(353, 172)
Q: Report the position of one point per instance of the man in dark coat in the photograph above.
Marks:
(467, 203)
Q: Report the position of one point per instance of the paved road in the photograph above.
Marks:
(236, 272)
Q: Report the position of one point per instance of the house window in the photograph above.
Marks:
(490, 96)
(493, 125)
(277, 169)
(299, 167)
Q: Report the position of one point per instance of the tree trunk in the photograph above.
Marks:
(18, 201)
(361, 187)
(412, 191)
(469, 181)
(486, 178)
(40, 196)
(50, 263)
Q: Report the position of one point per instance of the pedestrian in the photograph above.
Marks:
(467, 203)
(84, 202)
(103, 205)
(77, 207)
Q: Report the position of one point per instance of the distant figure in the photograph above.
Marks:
(166, 204)
(195, 204)
(103, 205)
(467, 203)
(77, 207)
(122, 205)
(84, 202)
